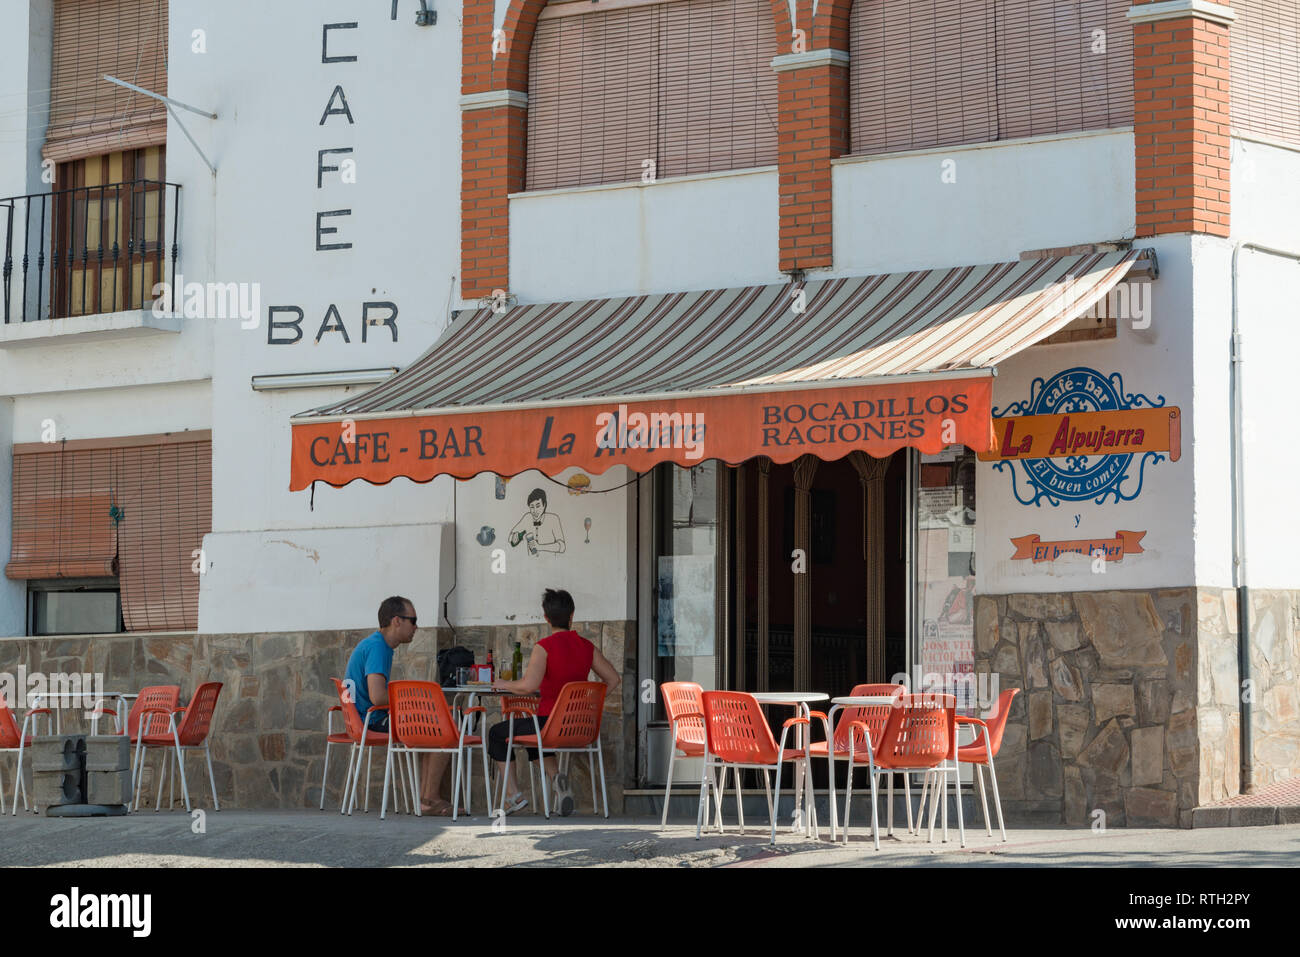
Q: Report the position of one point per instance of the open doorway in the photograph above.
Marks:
(847, 574)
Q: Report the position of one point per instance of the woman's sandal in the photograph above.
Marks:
(441, 809)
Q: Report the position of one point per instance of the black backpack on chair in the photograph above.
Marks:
(449, 659)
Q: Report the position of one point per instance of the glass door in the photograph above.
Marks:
(945, 575)
(681, 586)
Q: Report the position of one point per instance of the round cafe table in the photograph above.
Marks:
(837, 704)
(799, 700)
(55, 700)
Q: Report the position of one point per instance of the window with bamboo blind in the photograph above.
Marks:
(126, 39)
(948, 72)
(1265, 68)
(685, 85)
(135, 508)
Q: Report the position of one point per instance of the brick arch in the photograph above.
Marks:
(831, 24)
(781, 23)
(511, 71)
(481, 71)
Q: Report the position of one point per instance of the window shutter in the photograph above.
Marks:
(88, 115)
(62, 527)
(719, 91)
(975, 71)
(687, 84)
(1265, 68)
(61, 522)
(168, 494)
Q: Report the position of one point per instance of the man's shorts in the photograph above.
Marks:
(378, 722)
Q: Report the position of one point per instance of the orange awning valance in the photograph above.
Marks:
(825, 368)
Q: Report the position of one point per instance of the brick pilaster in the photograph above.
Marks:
(494, 128)
(491, 168)
(813, 130)
(1181, 117)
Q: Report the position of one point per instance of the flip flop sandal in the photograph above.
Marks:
(516, 802)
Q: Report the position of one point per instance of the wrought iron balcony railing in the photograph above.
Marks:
(88, 250)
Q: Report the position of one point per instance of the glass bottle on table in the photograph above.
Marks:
(517, 662)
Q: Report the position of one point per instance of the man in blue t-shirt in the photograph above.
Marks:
(366, 680)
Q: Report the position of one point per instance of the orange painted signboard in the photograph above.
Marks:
(1114, 549)
(782, 425)
(1113, 432)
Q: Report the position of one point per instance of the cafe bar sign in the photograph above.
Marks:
(1080, 435)
(828, 422)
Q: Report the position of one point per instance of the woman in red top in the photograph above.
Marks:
(560, 657)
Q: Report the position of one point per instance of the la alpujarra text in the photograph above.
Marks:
(1070, 441)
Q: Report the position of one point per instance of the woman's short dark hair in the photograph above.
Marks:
(390, 609)
(557, 606)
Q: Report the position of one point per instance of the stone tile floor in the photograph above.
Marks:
(1277, 803)
(1278, 794)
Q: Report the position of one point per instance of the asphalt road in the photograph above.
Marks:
(327, 839)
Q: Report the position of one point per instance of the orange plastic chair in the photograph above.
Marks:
(155, 697)
(13, 741)
(422, 722)
(190, 735)
(353, 729)
(685, 705)
(737, 736)
(523, 704)
(849, 739)
(573, 727)
(984, 749)
(332, 738)
(920, 735)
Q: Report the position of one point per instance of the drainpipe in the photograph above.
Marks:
(1239, 523)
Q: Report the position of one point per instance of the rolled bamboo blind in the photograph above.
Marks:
(673, 88)
(89, 116)
(948, 72)
(136, 508)
(1264, 77)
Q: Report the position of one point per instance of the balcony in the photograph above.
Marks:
(89, 251)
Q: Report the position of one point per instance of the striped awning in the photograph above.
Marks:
(825, 367)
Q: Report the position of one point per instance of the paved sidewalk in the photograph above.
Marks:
(1277, 803)
(327, 839)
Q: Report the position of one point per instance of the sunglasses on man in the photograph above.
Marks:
(410, 618)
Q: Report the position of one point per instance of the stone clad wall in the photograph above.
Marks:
(1275, 672)
(1107, 719)
(268, 738)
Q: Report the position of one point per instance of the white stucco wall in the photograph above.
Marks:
(693, 232)
(321, 579)
(108, 413)
(896, 212)
(25, 52)
(13, 595)
(263, 75)
(1266, 210)
(1156, 362)
(497, 583)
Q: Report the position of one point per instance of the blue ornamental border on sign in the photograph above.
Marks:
(1080, 477)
